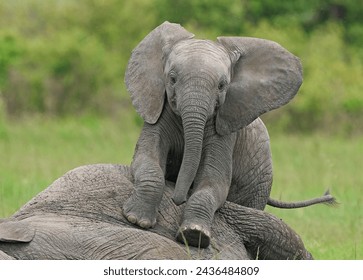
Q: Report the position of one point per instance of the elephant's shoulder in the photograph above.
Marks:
(255, 129)
(257, 124)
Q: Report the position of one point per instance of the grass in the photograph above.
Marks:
(305, 166)
(35, 152)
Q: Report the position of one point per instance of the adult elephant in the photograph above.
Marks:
(200, 101)
(79, 217)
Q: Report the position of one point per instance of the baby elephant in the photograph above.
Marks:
(200, 101)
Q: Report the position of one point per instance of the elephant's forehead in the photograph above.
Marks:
(199, 52)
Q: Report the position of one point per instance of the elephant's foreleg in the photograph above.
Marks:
(148, 169)
(211, 189)
(265, 236)
(195, 229)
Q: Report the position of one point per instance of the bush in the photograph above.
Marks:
(68, 57)
(73, 55)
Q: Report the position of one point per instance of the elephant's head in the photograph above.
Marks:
(234, 80)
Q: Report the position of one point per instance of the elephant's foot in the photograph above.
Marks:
(194, 235)
(139, 213)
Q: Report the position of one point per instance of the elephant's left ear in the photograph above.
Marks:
(265, 77)
(16, 231)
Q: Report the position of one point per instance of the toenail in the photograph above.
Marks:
(144, 224)
(132, 219)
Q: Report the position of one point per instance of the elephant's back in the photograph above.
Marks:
(252, 166)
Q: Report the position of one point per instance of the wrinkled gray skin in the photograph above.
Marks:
(200, 101)
(79, 217)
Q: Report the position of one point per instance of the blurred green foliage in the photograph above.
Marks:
(64, 57)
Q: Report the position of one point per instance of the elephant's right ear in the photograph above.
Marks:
(144, 76)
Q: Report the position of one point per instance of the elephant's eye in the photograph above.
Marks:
(172, 78)
(222, 85)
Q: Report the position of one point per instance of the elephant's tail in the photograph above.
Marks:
(327, 199)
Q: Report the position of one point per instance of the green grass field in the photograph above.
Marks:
(36, 152)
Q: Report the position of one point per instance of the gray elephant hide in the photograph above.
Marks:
(79, 216)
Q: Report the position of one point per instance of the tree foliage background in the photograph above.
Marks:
(64, 57)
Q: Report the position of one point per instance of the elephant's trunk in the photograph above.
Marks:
(194, 117)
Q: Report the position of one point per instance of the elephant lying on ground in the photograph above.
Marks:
(79, 217)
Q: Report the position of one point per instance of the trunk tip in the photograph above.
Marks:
(178, 199)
